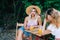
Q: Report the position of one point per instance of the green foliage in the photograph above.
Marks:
(12, 11)
(52, 3)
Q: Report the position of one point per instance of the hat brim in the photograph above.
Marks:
(28, 9)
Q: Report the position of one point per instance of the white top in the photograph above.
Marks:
(59, 13)
(32, 22)
(54, 30)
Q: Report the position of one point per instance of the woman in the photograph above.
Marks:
(33, 19)
(54, 26)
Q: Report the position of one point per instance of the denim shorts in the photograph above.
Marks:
(24, 32)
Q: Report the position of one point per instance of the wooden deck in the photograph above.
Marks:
(7, 35)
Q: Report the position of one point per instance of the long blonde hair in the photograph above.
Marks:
(56, 18)
(55, 15)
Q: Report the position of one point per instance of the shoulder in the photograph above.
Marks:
(26, 18)
(51, 27)
(38, 17)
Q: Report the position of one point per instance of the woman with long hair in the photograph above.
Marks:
(33, 19)
(53, 17)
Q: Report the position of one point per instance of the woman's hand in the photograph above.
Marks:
(26, 28)
(45, 32)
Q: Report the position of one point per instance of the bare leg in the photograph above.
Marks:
(19, 37)
(30, 37)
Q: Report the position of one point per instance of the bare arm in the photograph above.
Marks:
(45, 32)
(25, 23)
(44, 24)
(39, 21)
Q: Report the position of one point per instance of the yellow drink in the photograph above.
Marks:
(40, 31)
(31, 28)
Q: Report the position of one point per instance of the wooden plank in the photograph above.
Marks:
(20, 24)
(35, 32)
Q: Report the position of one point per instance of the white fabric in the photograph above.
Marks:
(32, 22)
(59, 13)
(54, 30)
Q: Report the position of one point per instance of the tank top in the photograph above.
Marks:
(32, 22)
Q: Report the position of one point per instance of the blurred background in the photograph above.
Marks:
(13, 11)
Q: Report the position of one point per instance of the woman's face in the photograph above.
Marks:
(33, 12)
(49, 17)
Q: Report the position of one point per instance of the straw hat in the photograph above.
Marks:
(28, 9)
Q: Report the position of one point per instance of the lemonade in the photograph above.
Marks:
(31, 28)
(40, 31)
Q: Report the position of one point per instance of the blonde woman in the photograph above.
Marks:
(54, 26)
(33, 19)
